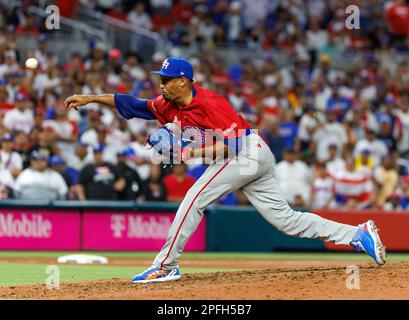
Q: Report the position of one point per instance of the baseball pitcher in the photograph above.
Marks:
(249, 168)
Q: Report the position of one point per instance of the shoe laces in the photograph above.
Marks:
(156, 274)
(356, 244)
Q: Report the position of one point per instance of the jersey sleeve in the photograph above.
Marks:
(132, 107)
(156, 107)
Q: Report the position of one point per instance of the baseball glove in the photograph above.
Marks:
(168, 141)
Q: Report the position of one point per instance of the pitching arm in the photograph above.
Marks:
(128, 106)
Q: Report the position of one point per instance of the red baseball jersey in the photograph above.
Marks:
(208, 110)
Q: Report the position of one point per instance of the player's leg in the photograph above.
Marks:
(265, 195)
(216, 181)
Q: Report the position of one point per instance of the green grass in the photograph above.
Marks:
(204, 255)
(23, 273)
(12, 274)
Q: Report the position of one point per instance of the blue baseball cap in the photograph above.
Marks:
(7, 137)
(19, 96)
(127, 152)
(56, 160)
(175, 67)
(38, 155)
(366, 152)
(389, 100)
(81, 144)
(98, 149)
(384, 118)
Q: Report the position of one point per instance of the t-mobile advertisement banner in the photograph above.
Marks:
(39, 230)
(134, 231)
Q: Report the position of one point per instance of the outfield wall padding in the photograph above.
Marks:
(244, 229)
(393, 226)
(131, 225)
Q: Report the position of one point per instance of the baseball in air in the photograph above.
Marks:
(31, 63)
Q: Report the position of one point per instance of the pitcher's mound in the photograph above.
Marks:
(324, 281)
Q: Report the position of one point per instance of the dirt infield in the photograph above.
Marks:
(263, 279)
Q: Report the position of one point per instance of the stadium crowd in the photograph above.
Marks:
(340, 136)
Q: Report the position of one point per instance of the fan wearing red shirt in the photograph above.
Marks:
(397, 17)
(178, 183)
(250, 168)
(183, 11)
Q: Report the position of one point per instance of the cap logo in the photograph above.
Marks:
(165, 64)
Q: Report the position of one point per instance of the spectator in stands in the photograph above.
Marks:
(21, 144)
(308, 124)
(89, 134)
(65, 131)
(29, 27)
(353, 189)
(154, 189)
(68, 9)
(386, 176)
(141, 157)
(404, 193)
(46, 144)
(322, 191)
(299, 32)
(334, 163)
(133, 66)
(402, 111)
(234, 22)
(397, 18)
(69, 175)
(21, 117)
(9, 63)
(133, 184)
(138, 17)
(120, 137)
(106, 5)
(9, 159)
(393, 203)
(42, 51)
(271, 135)
(117, 12)
(94, 62)
(183, 11)
(5, 105)
(364, 162)
(339, 105)
(332, 132)
(390, 125)
(39, 181)
(6, 183)
(80, 157)
(99, 180)
(163, 21)
(288, 128)
(48, 80)
(254, 13)
(98, 137)
(376, 147)
(294, 177)
(178, 183)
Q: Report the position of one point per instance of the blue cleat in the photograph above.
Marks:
(367, 239)
(155, 274)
